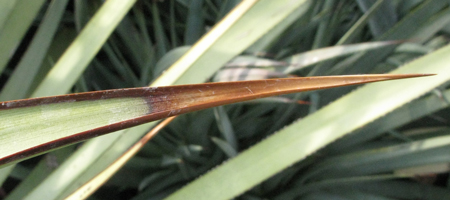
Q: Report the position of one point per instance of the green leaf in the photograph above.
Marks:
(31, 61)
(15, 25)
(302, 60)
(80, 53)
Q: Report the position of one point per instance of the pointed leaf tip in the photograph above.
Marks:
(61, 120)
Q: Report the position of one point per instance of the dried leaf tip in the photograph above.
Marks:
(401, 76)
(393, 76)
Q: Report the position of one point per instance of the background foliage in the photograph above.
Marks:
(401, 155)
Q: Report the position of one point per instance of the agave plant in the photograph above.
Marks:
(382, 140)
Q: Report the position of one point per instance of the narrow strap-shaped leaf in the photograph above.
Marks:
(32, 126)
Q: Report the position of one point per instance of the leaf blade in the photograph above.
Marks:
(86, 115)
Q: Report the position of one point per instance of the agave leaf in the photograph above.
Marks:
(400, 189)
(383, 19)
(253, 61)
(56, 121)
(225, 147)
(408, 113)
(240, 74)
(381, 160)
(74, 60)
(360, 24)
(31, 61)
(7, 8)
(225, 127)
(15, 25)
(301, 190)
(236, 71)
(302, 60)
(436, 168)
